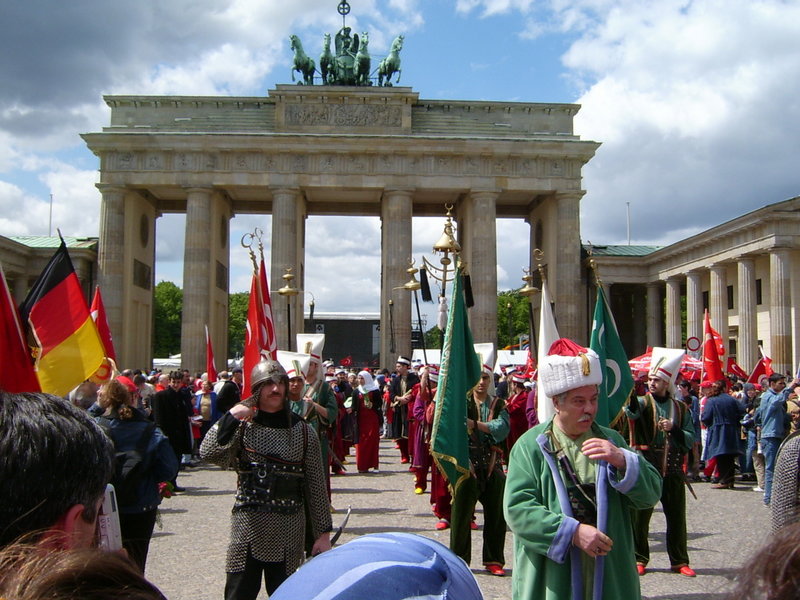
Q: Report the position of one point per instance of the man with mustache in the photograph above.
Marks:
(281, 480)
(661, 429)
(571, 484)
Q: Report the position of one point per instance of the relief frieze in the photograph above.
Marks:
(484, 165)
(343, 115)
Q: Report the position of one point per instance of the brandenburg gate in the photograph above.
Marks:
(329, 150)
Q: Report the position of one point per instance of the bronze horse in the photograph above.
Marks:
(391, 64)
(302, 62)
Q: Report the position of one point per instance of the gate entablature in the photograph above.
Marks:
(330, 150)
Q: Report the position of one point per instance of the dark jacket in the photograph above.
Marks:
(722, 415)
(169, 413)
(229, 396)
(160, 459)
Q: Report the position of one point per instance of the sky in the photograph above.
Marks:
(695, 104)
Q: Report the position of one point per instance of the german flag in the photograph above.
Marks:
(61, 331)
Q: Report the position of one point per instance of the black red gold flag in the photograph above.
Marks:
(67, 347)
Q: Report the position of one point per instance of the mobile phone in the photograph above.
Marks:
(109, 532)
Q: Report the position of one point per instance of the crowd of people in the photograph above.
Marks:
(577, 496)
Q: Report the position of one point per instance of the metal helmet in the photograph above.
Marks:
(267, 370)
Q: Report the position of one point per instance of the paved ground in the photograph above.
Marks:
(187, 555)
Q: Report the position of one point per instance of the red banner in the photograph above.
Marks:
(713, 349)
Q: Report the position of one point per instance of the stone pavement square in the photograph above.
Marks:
(187, 554)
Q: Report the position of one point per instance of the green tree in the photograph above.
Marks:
(514, 306)
(433, 338)
(167, 308)
(237, 322)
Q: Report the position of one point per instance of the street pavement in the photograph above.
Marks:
(187, 554)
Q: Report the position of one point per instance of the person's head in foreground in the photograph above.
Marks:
(383, 566)
(56, 462)
(29, 572)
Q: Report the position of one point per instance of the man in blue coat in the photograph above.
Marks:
(722, 415)
(771, 422)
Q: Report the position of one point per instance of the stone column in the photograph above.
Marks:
(568, 296)
(654, 314)
(286, 232)
(396, 212)
(694, 305)
(674, 337)
(718, 304)
(639, 317)
(747, 347)
(110, 256)
(482, 265)
(197, 279)
(780, 312)
(20, 288)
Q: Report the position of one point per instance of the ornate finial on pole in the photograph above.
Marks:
(593, 266)
(247, 242)
(446, 245)
(288, 291)
(528, 289)
(343, 9)
(538, 256)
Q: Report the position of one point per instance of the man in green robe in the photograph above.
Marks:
(571, 484)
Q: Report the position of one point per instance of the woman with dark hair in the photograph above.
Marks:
(366, 403)
(131, 431)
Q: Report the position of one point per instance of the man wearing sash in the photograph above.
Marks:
(571, 484)
(400, 394)
(661, 429)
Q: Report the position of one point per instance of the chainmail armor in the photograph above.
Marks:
(271, 536)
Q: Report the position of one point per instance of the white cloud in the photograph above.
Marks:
(686, 112)
(76, 202)
(20, 213)
(494, 7)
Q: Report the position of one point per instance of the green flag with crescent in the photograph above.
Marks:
(459, 371)
(617, 379)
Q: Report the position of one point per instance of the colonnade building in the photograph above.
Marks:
(745, 272)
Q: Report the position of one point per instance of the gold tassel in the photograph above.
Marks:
(586, 367)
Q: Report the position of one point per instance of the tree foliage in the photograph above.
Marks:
(237, 322)
(514, 306)
(167, 308)
(168, 300)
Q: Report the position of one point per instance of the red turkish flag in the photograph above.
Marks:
(98, 312)
(17, 373)
(762, 370)
(530, 367)
(211, 369)
(734, 369)
(269, 339)
(713, 349)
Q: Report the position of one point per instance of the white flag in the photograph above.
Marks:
(547, 335)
